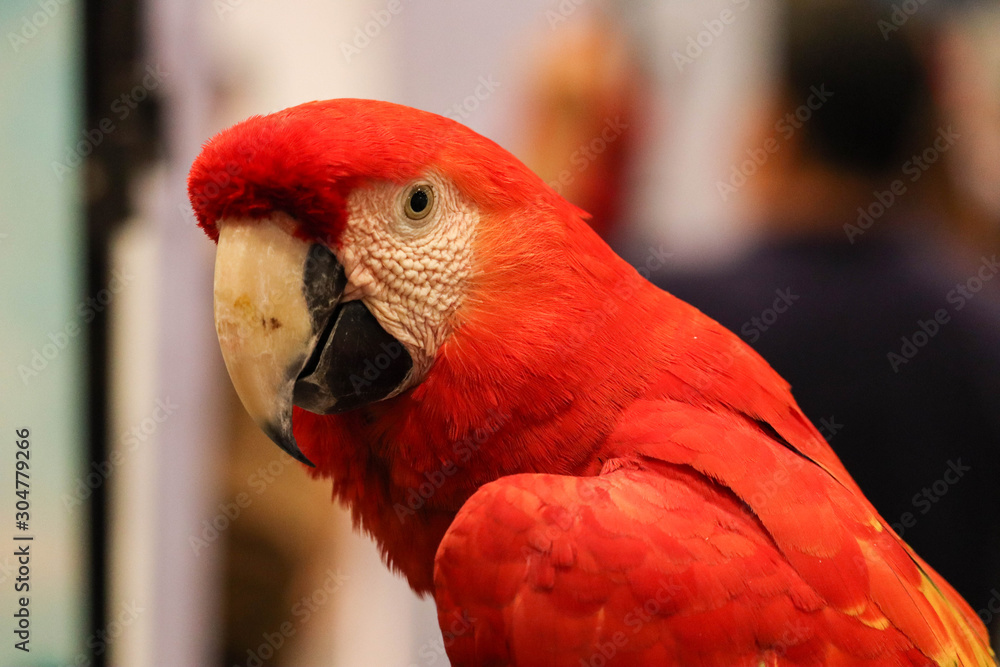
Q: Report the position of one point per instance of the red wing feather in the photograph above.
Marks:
(707, 543)
(655, 564)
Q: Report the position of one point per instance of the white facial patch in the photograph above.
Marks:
(409, 273)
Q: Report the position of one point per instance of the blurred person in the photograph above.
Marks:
(967, 65)
(582, 108)
(857, 295)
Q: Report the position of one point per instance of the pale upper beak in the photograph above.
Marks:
(285, 336)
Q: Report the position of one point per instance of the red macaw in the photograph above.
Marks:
(582, 469)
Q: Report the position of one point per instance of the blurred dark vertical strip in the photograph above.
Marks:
(96, 263)
(113, 66)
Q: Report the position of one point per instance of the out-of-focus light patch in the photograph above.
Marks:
(45, 325)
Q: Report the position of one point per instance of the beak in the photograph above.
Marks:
(285, 335)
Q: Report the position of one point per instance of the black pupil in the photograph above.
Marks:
(418, 201)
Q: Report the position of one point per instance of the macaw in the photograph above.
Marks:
(579, 467)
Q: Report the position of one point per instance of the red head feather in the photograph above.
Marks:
(306, 159)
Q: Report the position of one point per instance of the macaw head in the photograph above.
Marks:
(354, 239)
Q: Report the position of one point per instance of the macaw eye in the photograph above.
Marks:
(419, 201)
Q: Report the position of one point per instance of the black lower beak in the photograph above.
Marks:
(354, 363)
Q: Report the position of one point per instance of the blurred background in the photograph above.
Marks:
(821, 176)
